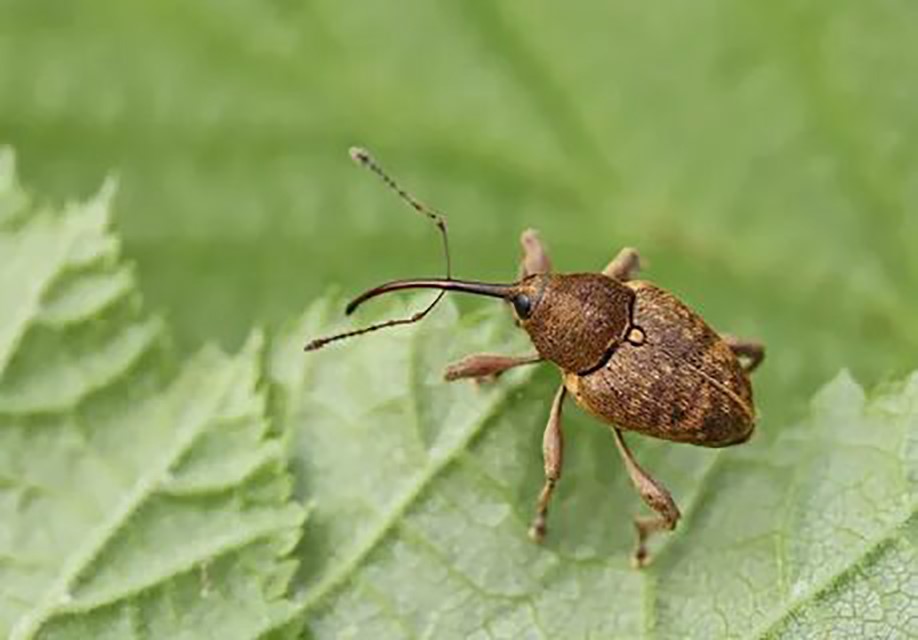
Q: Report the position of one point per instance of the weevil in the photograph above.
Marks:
(629, 352)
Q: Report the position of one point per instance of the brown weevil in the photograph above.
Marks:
(631, 354)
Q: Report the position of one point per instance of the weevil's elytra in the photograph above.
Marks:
(630, 353)
(690, 391)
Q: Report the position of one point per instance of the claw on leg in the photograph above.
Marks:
(645, 526)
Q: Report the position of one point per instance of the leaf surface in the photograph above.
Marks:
(424, 491)
(760, 155)
(137, 498)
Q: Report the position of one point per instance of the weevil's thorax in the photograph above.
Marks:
(577, 319)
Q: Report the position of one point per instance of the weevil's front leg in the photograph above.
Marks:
(624, 266)
(486, 366)
(535, 257)
(654, 495)
(553, 457)
(752, 350)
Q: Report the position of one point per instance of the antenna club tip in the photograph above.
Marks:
(360, 155)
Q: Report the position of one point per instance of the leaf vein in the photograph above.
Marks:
(57, 596)
(401, 506)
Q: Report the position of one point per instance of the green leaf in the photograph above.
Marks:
(760, 155)
(424, 490)
(137, 498)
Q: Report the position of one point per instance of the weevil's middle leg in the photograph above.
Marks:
(654, 495)
(624, 266)
(553, 457)
(486, 366)
(752, 350)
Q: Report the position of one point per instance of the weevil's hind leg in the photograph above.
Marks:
(624, 266)
(553, 457)
(752, 350)
(654, 495)
(486, 366)
(535, 257)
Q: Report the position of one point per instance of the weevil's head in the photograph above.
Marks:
(575, 320)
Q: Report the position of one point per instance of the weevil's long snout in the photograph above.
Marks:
(503, 291)
(477, 288)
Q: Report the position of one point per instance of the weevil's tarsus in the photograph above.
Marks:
(486, 366)
(624, 266)
(363, 158)
(654, 495)
(553, 458)
(752, 350)
(645, 527)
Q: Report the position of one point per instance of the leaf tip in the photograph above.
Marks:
(843, 394)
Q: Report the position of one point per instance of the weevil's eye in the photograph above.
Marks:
(522, 304)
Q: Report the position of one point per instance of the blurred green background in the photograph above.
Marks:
(760, 155)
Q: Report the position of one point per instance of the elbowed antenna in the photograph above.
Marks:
(444, 285)
(363, 158)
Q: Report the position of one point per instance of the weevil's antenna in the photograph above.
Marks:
(363, 158)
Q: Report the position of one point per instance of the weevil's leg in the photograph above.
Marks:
(553, 457)
(486, 366)
(624, 266)
(654, 495)
(535, 257)
(752, 350)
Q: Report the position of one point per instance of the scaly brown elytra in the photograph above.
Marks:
(630, 353)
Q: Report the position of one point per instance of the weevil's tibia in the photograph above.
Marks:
(553, 456)
(654, 496)
(363, 157)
